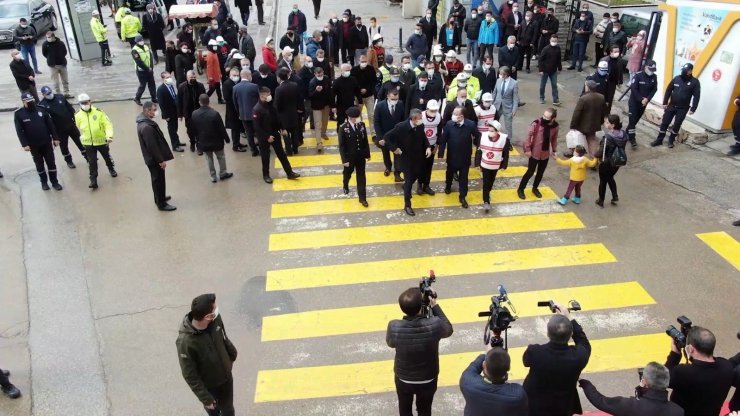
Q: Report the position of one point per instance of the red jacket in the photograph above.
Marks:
(269, 58)
(534, 140)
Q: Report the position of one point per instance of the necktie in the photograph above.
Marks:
(392, 107)
(503, 87)
(172, 91)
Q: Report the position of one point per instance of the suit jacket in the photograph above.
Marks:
(468, 111)
(554, 370)
(167, 103)
(383, 122)
(418, 99)
(187, 98)
(413, 143)
(511, 24)
(509, 57)
(487, 81)
(232, 117)
(353, 142)
(210, 129)
(288, 102)
(245, 94)
(459, 141)
(589, 113)
(507, 101)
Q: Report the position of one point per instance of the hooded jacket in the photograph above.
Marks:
(206, 356)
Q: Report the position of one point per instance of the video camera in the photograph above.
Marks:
(425, 286)
(573, 305)
(499, 319)
(679, 336)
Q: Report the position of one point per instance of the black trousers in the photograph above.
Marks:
(92, 158)
(260, 13)
(599, 51)
(489, 176)
(216, 86)
(636, 110)
(359, 166)
(224, 396)
(4, 382)
(424, 396)
(348, 56)
(611, 89)
(426, 174)
(146, 78)
(104, 51)
(64, 137)
(462, 176)
(606, 177)
(341, 115)
(532, 166)
(249, 129)
(172, 125)
(388, 162)
(525, 58)
(316, 7)
(293, 139)
(159, 186)
(277, 146)
(43, 158)
(409, 177)
(675, 114)
(486, 48)
(236, 136)
(190, 130)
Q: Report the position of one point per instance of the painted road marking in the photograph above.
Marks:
(446, 265)
(376, 178)
(395, 202)
(309, 142)
(724, 245)
(329, 322)
(611, 354)
(424, 231)
(324, 159)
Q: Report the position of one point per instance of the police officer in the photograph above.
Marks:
(681, 97)
(643, 87)
(600, 78)
(354, 151)
(63, 115)
(97, 133)
(144, 69)
(101, 36)
(36, 133)
(393, 83)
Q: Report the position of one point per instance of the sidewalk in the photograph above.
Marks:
(117, 82)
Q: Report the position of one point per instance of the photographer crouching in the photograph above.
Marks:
(416, 340)
(554, 368)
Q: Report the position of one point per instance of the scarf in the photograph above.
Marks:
(545, 136)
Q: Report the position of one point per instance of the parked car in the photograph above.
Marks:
(635, 20)
(40, 15)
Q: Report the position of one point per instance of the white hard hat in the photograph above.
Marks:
(95, 13)
(432, 105)
(83, 97)
(487, 97)
(603, 65)
(238, 56)
(287, 49)
(462, 76)
(451, 54)
(495, 124)
(268, 40)
(377, 36)
(220, 39)
(212, 42)
(468, 67)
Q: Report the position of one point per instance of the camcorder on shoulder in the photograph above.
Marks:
(573, 305)
(679, 335)
(425, 286)
(499, 319)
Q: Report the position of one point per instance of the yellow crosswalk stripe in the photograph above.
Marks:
(611, 354)
(329, 322)
(394, 202)
(446, 265)
(335, 159)
(375, 178)
(424, 231)
(309, 142)
(724, 245)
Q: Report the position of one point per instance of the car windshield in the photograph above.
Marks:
(13, 10)
(633, 24)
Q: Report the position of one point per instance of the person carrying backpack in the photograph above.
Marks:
(612, 155)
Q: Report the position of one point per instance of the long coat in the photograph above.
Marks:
(232, 117)
(589, 113)
(459, 141)
(154, 25)
(288, 103)
(187, 98)
(413, 143)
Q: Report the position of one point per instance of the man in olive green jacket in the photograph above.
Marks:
(206, 356)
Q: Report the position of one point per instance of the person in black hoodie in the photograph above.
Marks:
(23, 74)
(267, 129)
(63, 115)
(156, 154)
(680, 98)
(489, 393)
(55, 53)
(550, 63)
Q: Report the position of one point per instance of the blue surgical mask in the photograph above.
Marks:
(603, 71)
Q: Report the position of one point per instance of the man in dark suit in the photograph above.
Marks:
(387, 114)
(246, 95)
(460, 135)
(187, 102)
(408, 140)
(211, 132)
(156, 154)
(554, 368)
(167, 98)
(461, 101)
(267, 130)
(421, 93)
(232, 117)
(290, 108)
(486, 75)
(346, 93)
(354, 150)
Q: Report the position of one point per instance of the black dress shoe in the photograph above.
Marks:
(240, 149)
(255, 153)
(520, 193)
(398, 178)
(71, 165)
(167, 207)
(599, 203)
(463, 203)
(537, 192)
(45, 186)
(167, 198)
(221, 101)
(570, 68)
(419, 191)
(615, 200)
(93, 185)
(387, 172)
(409, 211)
(429, 191)
(345, 190)
(178, 149)
(267, 179)
(200, 153)
(736, 223)
(364, 203)
(294, 175)
(656, 143)
(192, 147)
(138, 101)
(226, 175)
(112, 172)
(11, 391)
(448, 190)
(57, 186)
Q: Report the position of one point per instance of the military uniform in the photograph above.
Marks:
(35, 130)
(354, 151)
(643, 86)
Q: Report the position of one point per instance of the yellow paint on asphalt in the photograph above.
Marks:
(724, 245)
(309, 142)
(611, 354)
(376, 178)
(329, 322)
(424, 231)
(302, 161)
(395, 202)
(443, 265)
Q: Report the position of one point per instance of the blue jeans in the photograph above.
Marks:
(472, 55)
(553, 77)
(300, 41)
(579, 53)
(30, 50)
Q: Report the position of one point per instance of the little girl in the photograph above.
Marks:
(578, 164)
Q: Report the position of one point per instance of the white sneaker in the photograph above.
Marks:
(486, 207)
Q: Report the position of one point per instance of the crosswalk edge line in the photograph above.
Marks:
(724, 245)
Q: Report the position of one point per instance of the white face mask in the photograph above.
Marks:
(363, 65)
(583, 18)
(345, 19)
(422, 84)
(418, 122)
(236, 79)
(554, 43)
(456, 119)
(334, 19)
(140, 43)
(615, 30)
(379, 44)
(309, 64)
(214, 313)
(345, 74)
(510, 45)
(430, 72)
(515, 9)
(614, 20)
(407, 66)
(486, 67)
(49, 96)
(417, 31)
(461, 101)
(462, 84)
(649, 72)
(392, 102)
(168, 81)
(85, 107)
(185, 50)
(320, 77)
(473, 15)
(394, 79)
(24, 25)
(429, 15)
(320, 59)
(269, 98)
(438, 58)
(614, 55)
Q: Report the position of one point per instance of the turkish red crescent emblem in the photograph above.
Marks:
(489, 155)
(716, 75)
(429, 132)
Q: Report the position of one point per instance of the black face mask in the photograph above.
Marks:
(640, 391)
(546, 121)
(30, 105)
(192, 81)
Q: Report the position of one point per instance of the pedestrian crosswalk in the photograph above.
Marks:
(543, 234)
